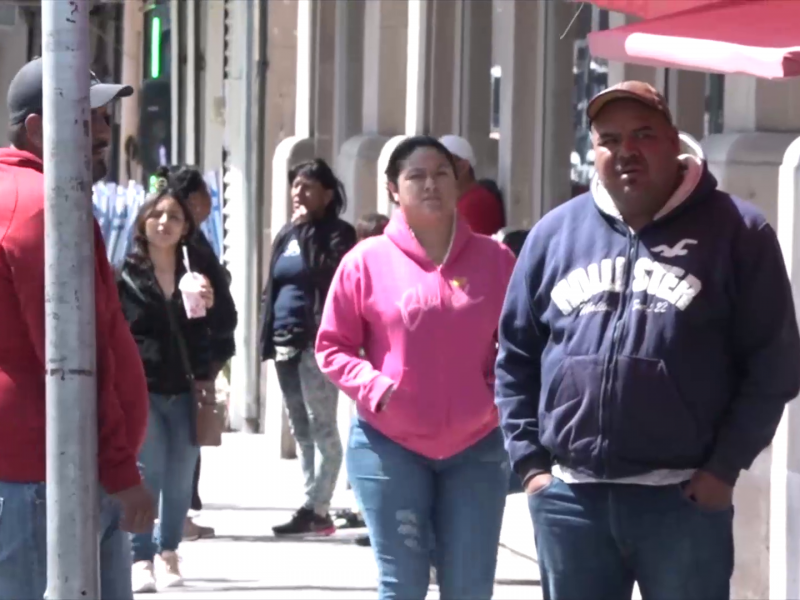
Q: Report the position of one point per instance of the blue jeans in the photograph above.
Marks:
(595, 540)
(23, 545)
(167, 460)
(408, 501)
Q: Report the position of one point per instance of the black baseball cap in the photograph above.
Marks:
(25, 96)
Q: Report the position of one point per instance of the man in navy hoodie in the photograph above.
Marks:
(648, 345)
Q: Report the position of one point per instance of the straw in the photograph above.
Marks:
(186, 260)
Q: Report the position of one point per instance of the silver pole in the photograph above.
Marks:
(72, 489)
(250, 306)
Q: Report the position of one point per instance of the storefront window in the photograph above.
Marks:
(590, 77)
(715, 102)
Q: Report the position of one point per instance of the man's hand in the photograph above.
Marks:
(538, 483)
(709, 492)
(138, 509)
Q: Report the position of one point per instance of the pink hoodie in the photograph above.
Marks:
(428, 332)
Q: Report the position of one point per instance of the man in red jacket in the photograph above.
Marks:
(482, 209)
(122, 400)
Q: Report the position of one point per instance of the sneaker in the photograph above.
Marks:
(347, 519)
(304, 522)
(363, 540)
(192, 531)
(169, 572)
(143, 578)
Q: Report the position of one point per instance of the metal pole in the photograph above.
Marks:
(72, 489)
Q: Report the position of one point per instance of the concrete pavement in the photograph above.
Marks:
(245, 494)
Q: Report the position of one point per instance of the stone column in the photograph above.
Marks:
(784, 538)
(536, 123)
(472, 99)
(761, 121)
(213, 106)
(418, 67)
(444, 56)
(280, 125)
(384, 102)
(348, 71)
(132, 40)
(686, 95)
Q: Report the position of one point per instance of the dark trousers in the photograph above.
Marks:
(197, 504)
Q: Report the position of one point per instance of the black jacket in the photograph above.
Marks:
(223, 346)
(145, 309)
(322, 244)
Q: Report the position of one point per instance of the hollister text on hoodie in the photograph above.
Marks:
(428, 334)
(675, 347)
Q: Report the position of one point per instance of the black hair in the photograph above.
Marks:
(371, 225)
(18, 135)
(183, 180)
(321, 172)
(406, 148)
(139, 254)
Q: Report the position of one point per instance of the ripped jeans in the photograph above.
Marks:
(421, 511)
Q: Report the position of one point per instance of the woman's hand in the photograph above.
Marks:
(300, 215)
(207, 292)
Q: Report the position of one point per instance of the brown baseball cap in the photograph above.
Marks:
(629, 90)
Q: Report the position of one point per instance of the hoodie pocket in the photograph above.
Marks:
(650, 423)
(569, 415)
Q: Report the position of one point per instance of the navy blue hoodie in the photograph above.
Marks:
(672, 348)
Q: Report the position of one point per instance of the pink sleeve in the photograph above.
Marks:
(341, 337)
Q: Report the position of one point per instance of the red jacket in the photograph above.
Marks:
(122, 401)
(482, 210)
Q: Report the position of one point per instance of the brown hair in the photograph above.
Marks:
(371, 225)
(139, 253)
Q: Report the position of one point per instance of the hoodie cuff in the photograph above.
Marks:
(533, 465)
(722, 470)
(382, 387)
(123, 477)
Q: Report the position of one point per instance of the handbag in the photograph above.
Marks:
(209, 416)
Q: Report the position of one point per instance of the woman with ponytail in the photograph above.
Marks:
(305, 255)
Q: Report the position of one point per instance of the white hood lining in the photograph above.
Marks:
(692, 172)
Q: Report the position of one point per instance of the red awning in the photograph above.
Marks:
(650, 9)
(754, 37)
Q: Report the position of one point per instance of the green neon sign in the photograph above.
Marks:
(155, 48)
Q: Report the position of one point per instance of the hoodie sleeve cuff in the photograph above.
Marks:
(122, 477)
(380, 388)
(722, 470)
(533, 465)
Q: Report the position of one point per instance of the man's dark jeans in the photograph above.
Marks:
(595, 540)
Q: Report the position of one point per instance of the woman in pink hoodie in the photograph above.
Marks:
(425, 456)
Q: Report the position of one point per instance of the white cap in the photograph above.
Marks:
(459, 147)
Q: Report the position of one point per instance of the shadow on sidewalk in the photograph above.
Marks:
(331, 539)
(235, 507)
(230, 586)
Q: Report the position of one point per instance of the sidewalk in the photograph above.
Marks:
(245, 494)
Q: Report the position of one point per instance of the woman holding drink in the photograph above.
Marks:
(169, 295)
